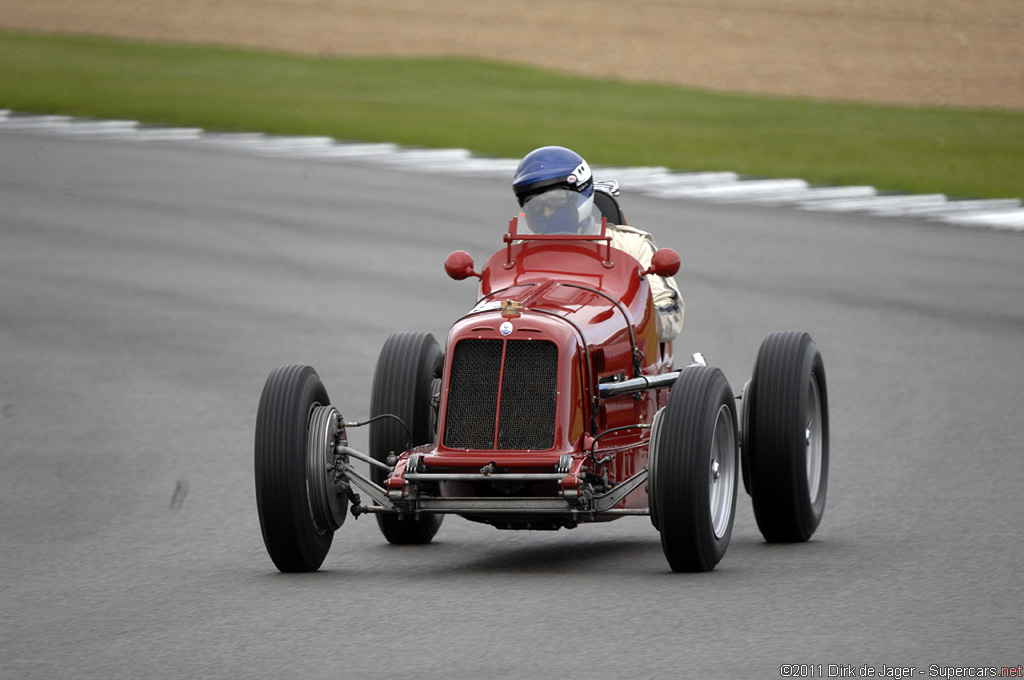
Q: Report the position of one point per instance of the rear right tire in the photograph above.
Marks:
(403, 385)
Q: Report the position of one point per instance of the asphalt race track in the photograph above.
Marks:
(147, 289)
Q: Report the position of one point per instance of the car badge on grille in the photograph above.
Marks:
(505, 328)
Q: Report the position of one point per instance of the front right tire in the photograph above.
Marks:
(293, 539)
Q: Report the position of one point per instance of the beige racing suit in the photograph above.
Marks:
(667, 300)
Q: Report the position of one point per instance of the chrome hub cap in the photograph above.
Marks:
(325, 505)
(722, 473)
(813, 440)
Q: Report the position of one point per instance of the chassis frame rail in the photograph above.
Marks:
(587, 504)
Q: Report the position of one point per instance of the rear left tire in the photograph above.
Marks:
(786, 437)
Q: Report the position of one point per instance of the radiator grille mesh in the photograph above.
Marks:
(473, 395)
(528, 395)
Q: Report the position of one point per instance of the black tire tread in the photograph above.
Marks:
(402, 383)
(687, 537)
(280, 469)
(775, 443)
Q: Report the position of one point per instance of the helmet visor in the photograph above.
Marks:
(561, 211)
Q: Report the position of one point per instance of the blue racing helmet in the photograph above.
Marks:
(555, 188)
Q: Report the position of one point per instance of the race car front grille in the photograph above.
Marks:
(473, 394)
(528, 390)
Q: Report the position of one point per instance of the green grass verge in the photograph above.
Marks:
(506, 110)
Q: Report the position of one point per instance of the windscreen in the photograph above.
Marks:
(561, 211)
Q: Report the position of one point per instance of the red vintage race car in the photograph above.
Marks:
(551, 404)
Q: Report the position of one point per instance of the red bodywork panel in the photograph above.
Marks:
(592, 304)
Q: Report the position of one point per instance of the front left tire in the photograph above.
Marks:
(695, 470)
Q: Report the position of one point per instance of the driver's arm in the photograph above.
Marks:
(668, 301)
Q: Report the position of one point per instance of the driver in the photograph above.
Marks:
(555, 189)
